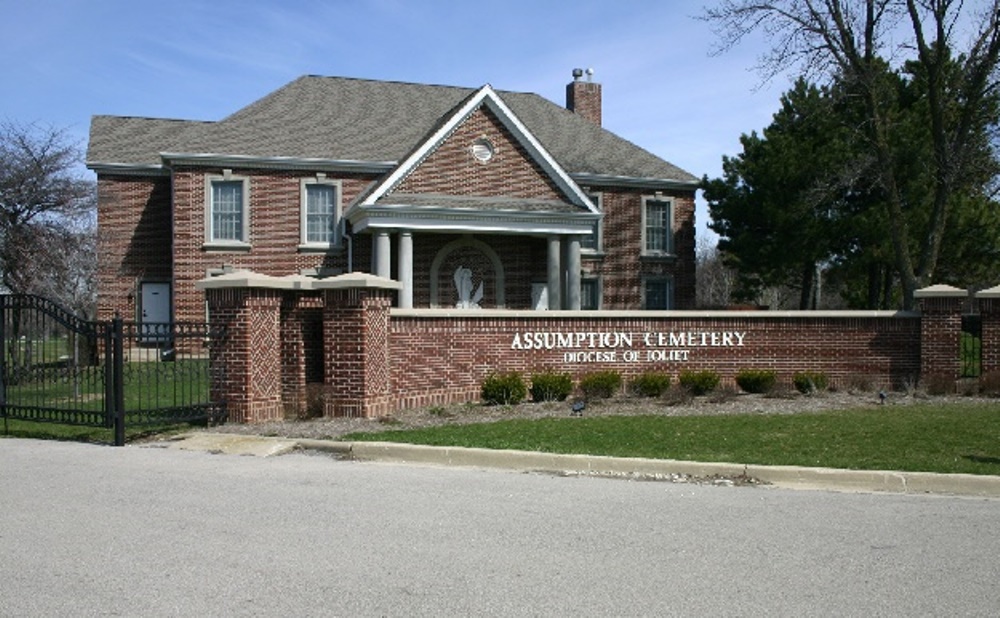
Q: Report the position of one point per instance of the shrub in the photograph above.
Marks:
(699, 382)
(939, 384)
(551, 386)
(650, 384)
(504, 389)
(807, 382)
(676, 396)
(756, 380)
(989, 383)
(600, 384)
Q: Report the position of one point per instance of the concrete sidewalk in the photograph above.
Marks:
(792, 477)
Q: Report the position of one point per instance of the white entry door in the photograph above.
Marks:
(155, 311)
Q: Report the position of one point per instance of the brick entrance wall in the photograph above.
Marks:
(377, 359)
(443, 357)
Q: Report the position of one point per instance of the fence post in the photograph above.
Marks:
(940, 331)
(989, 309)
(118, 380)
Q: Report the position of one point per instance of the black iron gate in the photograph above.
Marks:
(59, 368)
(972, 345)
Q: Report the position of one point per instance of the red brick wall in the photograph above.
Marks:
(941, 337)
(622, 268)
(356, 343)
(136, 233)
(133, 218)
(452, 170)
(439, 360)
(274, 232)
(989, 308)
(251, 382)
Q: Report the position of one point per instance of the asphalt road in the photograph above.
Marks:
(141, 531)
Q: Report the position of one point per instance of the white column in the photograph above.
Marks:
(405, 274)
(573, 273)
(553, 272)
(383, 254)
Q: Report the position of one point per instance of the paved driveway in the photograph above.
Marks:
(140, 531)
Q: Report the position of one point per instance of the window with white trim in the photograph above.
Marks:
(227, 210)
(593, 241)
(658, 293)
(320, 218)
(657, 226)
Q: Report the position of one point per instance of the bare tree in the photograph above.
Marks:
(45, 204)
(856, 42)
(715, 281)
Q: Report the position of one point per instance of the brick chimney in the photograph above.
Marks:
(584, 97)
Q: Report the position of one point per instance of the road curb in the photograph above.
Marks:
(793, 477)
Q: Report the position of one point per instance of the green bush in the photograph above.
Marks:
(600, 384)
(650, 384)
(504, 389)
(756, 380)
(699, 382)
(551, 386)
(989, 383)
(810, 382)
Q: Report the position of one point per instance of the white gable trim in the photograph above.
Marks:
(485, 96)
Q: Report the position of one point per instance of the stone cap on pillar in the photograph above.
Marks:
(356, 280)
(250, 279)
(993, 292)
(940, 291)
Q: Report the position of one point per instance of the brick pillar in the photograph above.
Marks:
(249, 379)
(358, 379)
(940, 331)
(989, 309)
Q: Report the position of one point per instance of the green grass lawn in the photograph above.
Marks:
(929, 437)
(78, 433)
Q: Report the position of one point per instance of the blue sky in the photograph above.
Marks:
(67, 60)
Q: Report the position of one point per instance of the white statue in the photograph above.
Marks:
(463, 285)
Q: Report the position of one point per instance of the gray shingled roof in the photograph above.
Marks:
(346, 119)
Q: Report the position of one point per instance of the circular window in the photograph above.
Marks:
(482, 149)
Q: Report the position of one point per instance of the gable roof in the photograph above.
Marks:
(487, 97)
(345, 122)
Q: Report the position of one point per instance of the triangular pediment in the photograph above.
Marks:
(481, 157)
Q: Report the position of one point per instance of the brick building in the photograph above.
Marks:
(467, 197)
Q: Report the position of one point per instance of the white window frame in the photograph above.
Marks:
(225, 243)
(662, 280)
(669, 249)
(335, 241)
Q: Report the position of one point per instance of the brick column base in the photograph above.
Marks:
(989, 309)
(940, 332)
(249, 380)
(356, 344)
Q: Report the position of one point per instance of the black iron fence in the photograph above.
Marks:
(971, 354)
(59, 368)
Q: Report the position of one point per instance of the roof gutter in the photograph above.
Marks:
(276, 163)
(635, 183)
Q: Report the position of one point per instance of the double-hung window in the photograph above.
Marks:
(320, 213)
(592, 241)
(657, 226)
(227, 220)
(658, 293)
